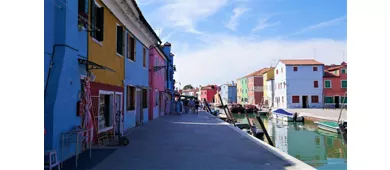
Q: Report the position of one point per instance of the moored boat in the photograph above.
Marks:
(283, 115)
(329, 126)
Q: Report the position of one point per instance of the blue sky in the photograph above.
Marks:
(227, 39)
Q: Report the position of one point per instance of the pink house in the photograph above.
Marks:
(157, 83)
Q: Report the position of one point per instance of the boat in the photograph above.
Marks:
(283, 115)
(263, 111)
(329, 126)
(258, 133)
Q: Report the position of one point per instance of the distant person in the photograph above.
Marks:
(197, 105)
(178, 106)
(186, 106)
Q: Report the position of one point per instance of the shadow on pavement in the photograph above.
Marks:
(84, 162)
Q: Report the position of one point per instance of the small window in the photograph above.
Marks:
(295, 68)
(97, 21)
(83, 13)
(130, 98)
(144, 57)
(315, 68)
(328, 84)
(295, 99)
(119, 40)
(130, 47)
(281, 70)
(344, 71)
(144, 98)
(314, 99)
(315, 84)
(282, 99)
(343, 83)
(276, 71)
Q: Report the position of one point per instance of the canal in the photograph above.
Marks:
(304, 141)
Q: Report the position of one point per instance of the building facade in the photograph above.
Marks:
(255, 87)
(270, 98)
(229, 93)
(335, 85)
(298, 84)
(208, 92)
(65, 56)
(244, 90)
(239, 90)
(157, 82)
(267, 89)
(170, 90)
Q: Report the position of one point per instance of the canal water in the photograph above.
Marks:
(320, 149)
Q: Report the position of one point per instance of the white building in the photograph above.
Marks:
(270, 92)
(298, 84)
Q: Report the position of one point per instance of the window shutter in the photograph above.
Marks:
(119, 39)
(100, 24)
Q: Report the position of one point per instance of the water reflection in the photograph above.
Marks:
(321, 149)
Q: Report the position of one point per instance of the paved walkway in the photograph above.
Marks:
(190, 142)
(326, 114)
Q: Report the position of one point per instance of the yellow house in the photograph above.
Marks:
(239, 90)
(267, 76)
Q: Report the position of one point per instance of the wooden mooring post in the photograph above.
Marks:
(265, 131)
(228, 114)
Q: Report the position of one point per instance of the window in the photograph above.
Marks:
(144, 56)
(144, 98)
(130, 47)
(343, 100)
(276, 71)
(328, 84)
(343, 83)
(83, 13)
(282, 99)
(315, 68)
(130, 102)
(328, 99)
(344, 71)
(314, 99)
(156, 97)
(97, 21)
(284, 84)
(295, 68)
(315, 84)
(295, 99)
(119, 40)
(281, 70)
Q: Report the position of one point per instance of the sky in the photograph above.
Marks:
(218, 41)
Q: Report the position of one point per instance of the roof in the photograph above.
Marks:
(329, 74)
(335, 67)
(143, 20)
(301, 62)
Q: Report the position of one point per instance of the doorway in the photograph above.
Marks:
(337, 101)
(118, 113)
(304, 101)
(139, 112)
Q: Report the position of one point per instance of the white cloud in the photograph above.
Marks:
(185, 14)
(263, 24)
(228, 58)
(233, 22)
(321, 25)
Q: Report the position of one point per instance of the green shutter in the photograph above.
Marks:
(342, 100)
(328, 99)
(344, 84)
(327, 83)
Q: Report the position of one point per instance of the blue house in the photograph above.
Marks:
(229, 93)
(138, 41)
(170, 72)
(65, 58)
(298, 84)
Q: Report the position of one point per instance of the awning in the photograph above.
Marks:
(91, 65)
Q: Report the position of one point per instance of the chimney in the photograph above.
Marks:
(167, 49)
(233, 83)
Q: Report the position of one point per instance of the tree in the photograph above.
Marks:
(188, 86)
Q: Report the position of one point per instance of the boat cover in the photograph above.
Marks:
(283, 112)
